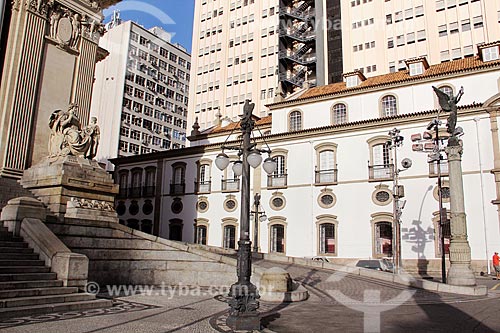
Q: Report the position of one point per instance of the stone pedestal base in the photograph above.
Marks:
(56, 181)
(461, 275)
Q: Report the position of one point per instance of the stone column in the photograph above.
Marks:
(460, 272)
(18, 94)
(84, 78)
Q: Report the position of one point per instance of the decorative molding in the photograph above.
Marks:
(91, 204)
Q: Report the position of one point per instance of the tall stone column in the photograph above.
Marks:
(18, 93)
(460, 272)
(84, 77)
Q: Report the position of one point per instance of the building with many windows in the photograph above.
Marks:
(379, 36)
(332, 193)
(262, 49)
(141, 92)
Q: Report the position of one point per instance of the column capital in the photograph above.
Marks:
(454, 153)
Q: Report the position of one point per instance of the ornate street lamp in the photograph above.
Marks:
(244, 295)
(396, 141)
(431, 144)
(259, 217)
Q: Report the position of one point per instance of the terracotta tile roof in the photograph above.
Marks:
(456, 66)
(260, 122)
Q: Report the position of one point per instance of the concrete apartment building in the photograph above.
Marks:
(141, 91)
(378, 36)
(260, 49)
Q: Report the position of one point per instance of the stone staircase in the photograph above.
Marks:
(27, 287)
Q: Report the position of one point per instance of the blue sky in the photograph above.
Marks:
(174, 16)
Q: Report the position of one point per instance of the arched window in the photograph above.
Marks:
(339, 114)
(135, 191)
(123, 182)
(447, 90)
(295, 121)
(327, 238)
(149, 186)
(175, 230)
(277, 238)
(178, 182)
(278, 179)
(204, 181)
(230, 237)
(389, 106)
(380, 167)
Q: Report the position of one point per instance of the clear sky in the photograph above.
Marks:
(175, 16)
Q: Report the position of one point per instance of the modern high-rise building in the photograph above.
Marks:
(141, 91)
(378, 36)
(260, 49)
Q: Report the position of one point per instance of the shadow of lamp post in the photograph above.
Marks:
(259, 217)
(244, 295)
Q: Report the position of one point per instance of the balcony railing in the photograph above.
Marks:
(381, 172)
(231, 185)
(177, 189)
(326, 176)
(135, 192)
(203, 187)
(433, 171)
(148, 191)
(277, 181)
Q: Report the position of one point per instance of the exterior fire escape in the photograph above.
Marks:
(297, 55)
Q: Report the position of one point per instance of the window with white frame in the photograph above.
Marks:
(389, 106)
(277, 238)
(339, 113)
(380, 167)
(490, 53)
(327, 238)
(295, 121)
(201, 234)
(229, 237)
(326, 167)
(203, 184)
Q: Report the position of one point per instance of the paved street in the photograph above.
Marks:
(329, 309)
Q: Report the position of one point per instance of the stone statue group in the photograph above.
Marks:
(67, 137)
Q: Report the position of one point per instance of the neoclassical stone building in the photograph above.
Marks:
(50, 52)
(331, 194)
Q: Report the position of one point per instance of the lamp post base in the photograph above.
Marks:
(244, 322)
(461, 275)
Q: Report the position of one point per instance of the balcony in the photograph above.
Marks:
(381, 172)
(326, 177)
(149, 191)
(230, 185)
(277, 181)
(135, 192)
(203, 187)
(178, 189)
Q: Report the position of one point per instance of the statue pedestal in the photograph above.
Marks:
(55, 181)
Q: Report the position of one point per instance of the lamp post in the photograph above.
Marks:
(396, 141)
(259, 217)
(244, 295)
(434, 155)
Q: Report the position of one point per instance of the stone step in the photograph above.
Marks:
(19, 256)
(27, 277)
(53, 308)
(13, 244)
(37, 292)
(46, 299)
(23, 269)
(24, 250)
(5, 262)
(10, 285)
(7, 236)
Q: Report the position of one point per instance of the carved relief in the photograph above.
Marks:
(67, 27)
(41, 7)
(92, 204)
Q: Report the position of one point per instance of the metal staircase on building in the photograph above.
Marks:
(27, 287)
